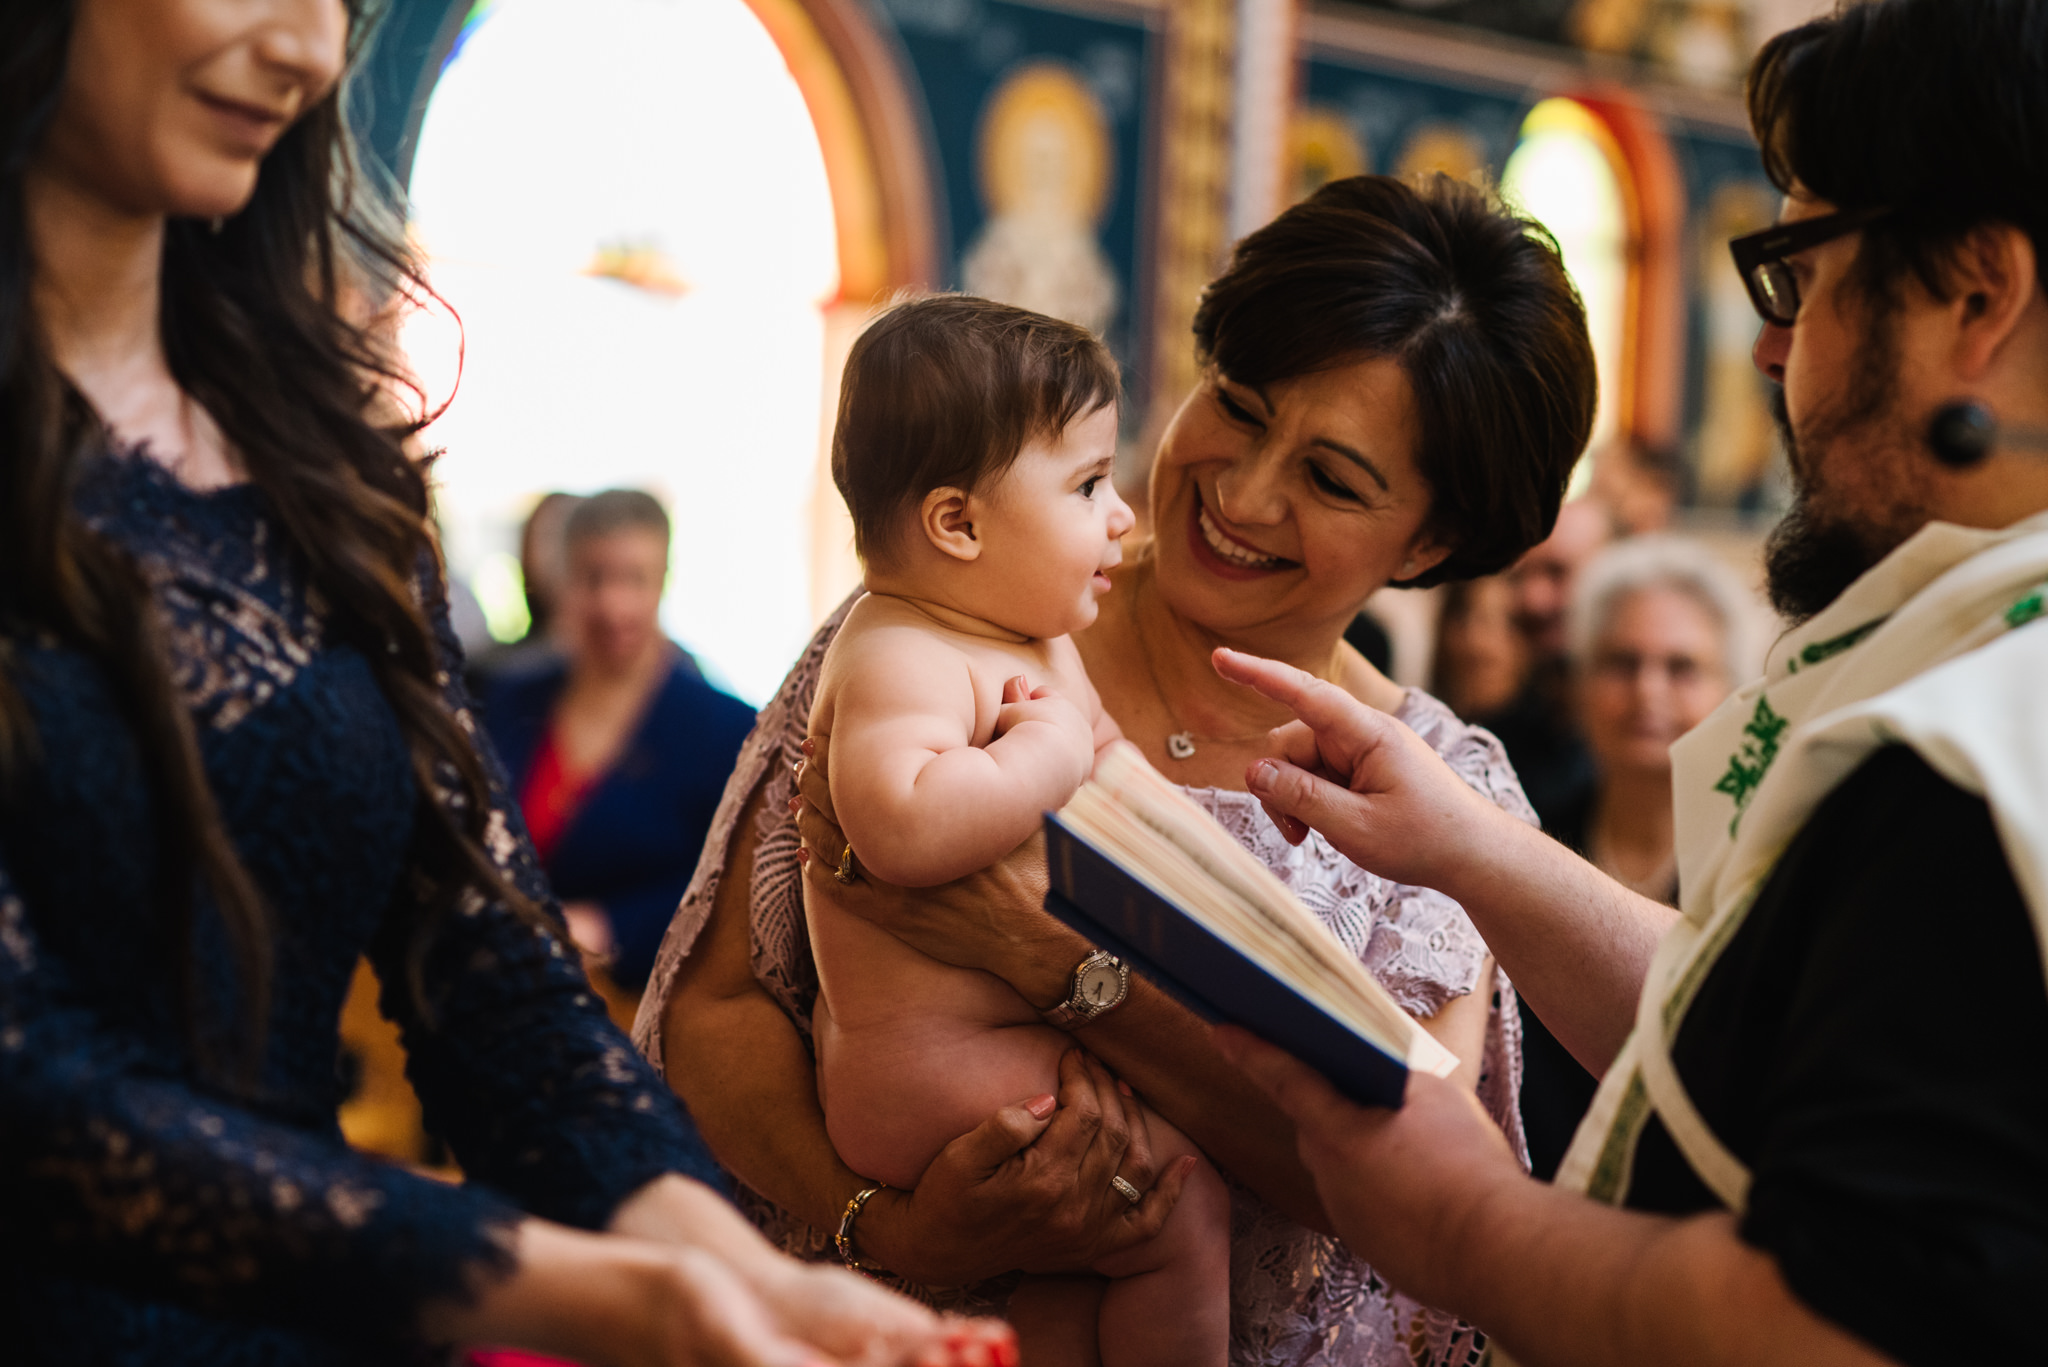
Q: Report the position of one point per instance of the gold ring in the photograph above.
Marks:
(1126, 1190)
(844, 873)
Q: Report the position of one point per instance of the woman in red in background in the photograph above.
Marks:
(620, 753)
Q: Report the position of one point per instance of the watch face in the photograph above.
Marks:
(1100, 985)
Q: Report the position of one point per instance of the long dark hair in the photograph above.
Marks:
(260, 323)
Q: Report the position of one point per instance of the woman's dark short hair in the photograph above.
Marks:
(615, 510)
(1471, 299)
(1934, 109)
(946, 391)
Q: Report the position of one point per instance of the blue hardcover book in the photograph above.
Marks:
(1145, 874)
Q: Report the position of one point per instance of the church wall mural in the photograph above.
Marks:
(1038, 129)
(1398, 99)
(1042, 119)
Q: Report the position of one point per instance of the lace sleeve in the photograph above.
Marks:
(118, 1170)
(518, 1067)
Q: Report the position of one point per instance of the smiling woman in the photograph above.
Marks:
(1397, 381)
(236, 756)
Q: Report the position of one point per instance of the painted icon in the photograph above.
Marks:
(1046, 172)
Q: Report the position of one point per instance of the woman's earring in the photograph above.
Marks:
(1408, 567)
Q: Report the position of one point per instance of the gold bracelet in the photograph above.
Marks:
(843, 1240)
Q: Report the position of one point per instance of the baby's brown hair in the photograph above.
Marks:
(946, 391)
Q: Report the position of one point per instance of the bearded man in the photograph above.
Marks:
(1822, 1131)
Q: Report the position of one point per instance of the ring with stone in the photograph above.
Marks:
(1126, 1190)
(844, 873)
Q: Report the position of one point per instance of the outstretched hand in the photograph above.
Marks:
(1371, 786)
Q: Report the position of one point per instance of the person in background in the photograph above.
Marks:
(1369, 638)
(1538, 728)
(543, 562)
(1482, 658)
(1659, 629)
(1641, 483)
(618, 752)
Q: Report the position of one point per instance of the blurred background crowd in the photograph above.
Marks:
(647, 373)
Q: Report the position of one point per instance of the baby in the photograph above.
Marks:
(974, 448)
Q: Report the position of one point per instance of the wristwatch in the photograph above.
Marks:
(1101, 982)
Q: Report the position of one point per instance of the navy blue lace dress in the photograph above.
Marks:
(148, 1218)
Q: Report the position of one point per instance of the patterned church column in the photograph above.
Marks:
(1194, 197)
(1265, 98)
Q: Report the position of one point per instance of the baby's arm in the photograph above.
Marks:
(920, 802)
(1106, 731)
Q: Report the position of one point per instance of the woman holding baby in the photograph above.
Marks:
(1397, 383)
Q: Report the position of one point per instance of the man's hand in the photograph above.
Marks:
(1402, 1187)
(1371, 786)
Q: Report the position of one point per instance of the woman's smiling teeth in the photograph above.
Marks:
(1230, 549)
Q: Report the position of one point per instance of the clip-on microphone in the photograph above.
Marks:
(1963, 433)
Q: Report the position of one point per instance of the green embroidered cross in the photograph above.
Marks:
(1747, 766)
(2028, 608)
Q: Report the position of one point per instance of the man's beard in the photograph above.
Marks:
(1816, 553)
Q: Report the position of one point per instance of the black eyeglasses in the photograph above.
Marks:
(1761, 257)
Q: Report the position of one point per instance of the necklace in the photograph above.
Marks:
(1180, 744)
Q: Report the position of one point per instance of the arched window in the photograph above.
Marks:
(1568, 173)
(627, 205)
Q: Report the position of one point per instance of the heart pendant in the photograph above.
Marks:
(1181, 745)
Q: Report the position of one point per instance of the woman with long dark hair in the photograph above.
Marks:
(235, 754)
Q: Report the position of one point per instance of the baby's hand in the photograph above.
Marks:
(1023, 703)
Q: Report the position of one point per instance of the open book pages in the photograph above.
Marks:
(1134, 814)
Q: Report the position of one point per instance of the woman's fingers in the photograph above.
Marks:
(1148, 1217)
(1088, 1098)
(812, 784)
(715, 1320)
(821, 836)
(862, 1324)
(1136, 1167)
(1001, 1137)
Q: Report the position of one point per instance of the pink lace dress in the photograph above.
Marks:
(1298, 1298)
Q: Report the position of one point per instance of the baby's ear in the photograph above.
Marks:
(947, 520)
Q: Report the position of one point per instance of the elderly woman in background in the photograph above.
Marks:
(1658, 631)
(618, 753)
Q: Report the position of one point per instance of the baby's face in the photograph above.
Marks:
(1051, 529)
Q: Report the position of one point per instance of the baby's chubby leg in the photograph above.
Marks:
(894, 1098)
(1168, 1302)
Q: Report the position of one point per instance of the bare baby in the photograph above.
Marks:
(974, 449)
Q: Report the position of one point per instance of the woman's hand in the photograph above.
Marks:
(1030, 1189)
(848, 1319)
(1371, 786)
(993, 920)
(859, 1323)
(610, 1301)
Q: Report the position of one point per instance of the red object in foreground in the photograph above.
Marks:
(512, 1357)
